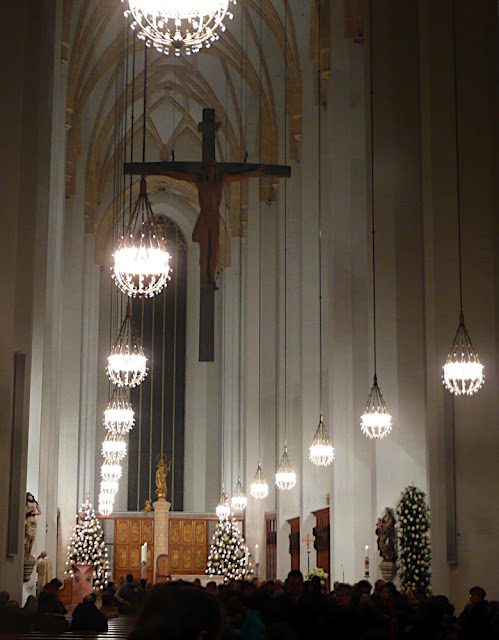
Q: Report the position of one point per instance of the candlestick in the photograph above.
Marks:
(143, 553)
(366, 561)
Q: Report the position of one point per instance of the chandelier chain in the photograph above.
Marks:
(132, 121)
(319, 147)
(458, 171)
(145, 106)
(371, 105)
(285, 225)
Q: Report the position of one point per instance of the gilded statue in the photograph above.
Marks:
(147, 507)
(161, 472)
(387, 537)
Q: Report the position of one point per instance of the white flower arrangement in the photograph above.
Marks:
(317, 572)
(414, 544)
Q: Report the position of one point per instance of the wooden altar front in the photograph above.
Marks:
(189, 539)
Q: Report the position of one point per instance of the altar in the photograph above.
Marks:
(178, 543)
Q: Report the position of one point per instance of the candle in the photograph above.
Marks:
(366, 560)
(257, 554)
(143, 553)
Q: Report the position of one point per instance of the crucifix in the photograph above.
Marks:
(308, 540)
(209, 177)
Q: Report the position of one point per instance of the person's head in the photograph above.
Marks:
(364, 587)
(344, 595)
(4, 597)
(197, 582)
(43, 554)
(294, 584)
(90, 598)
(269, 586)
(129, 578)
(30, 497)
(315, 585)
(211, 586)
(378, 585)
(143, 583)
(178, 611)
(121, 581)
(477, 594)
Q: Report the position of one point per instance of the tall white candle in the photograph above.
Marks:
(257, 554)
(143, 552)
(366, 560)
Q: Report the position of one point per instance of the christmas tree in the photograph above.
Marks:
(86, 545)
(228, 553)
(414, 545)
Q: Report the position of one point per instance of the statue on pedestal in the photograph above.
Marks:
(161, 472)
(32, 510)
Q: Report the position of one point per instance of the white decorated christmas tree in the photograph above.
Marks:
(87, 546)
(228, 555)
(414, 544)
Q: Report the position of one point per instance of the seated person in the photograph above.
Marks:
(179, 611)
(86, 616)
(51, 591)
(109, 607)
(49, 618)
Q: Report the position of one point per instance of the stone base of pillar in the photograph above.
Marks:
(161, 530)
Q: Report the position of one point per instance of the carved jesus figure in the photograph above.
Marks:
(207, 228)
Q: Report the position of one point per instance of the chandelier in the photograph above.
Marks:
(223, 507)
(111, 472)
(259, 488)
(127, 364)
(239, 501)
(141, 262)
(113, 448)
(187, 24)
(463, 373)
(285, 478)
(109, 487)
(118, 416)
(321, 451)
(106, 503)
(376, 422)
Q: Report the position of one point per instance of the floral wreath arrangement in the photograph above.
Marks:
(317, 572)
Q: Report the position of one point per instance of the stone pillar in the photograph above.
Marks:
(161, 518)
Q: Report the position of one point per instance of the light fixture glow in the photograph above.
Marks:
(118, 416)
(239, 501)
(463, 372)
(176, 25)
(113, 448)
(127, 364)
(109, 487)
(376, 422)
(111, 472)
(321, 451)
(285, 478)
(141, 262)
(223, 507)
(259, 488)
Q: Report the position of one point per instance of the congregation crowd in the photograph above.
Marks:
(249, 610)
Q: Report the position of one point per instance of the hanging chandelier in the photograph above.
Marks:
(223, 507)
(259, 488)
(321, 451)
(141, 262)
(111, 472)
(113, 448)
(109, 487)
(118, 416)
(106, 503)
(175, 24)
(285, 478)
(463, 373)
(376, 422)
(239, 501)
(127, 364)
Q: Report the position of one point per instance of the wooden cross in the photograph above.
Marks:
(194, 172)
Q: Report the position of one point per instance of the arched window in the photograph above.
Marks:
(159, 402)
